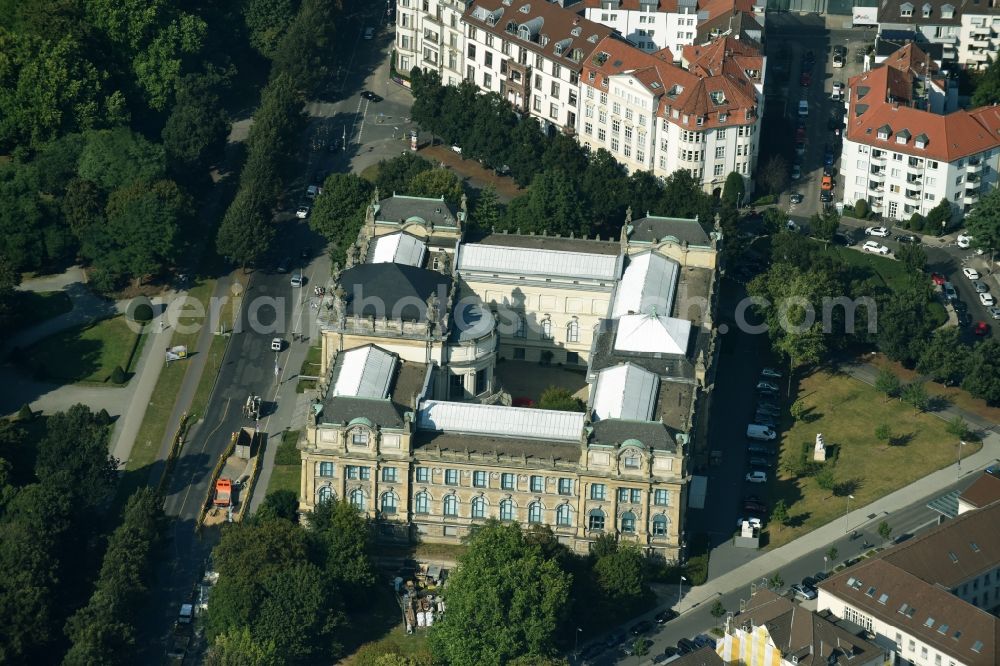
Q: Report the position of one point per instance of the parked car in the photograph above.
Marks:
(907, 239)
(759, 450)
(764, 385)
(827, 183)
(980, 286)
(795, 198)
(369, 33)
(844, 239)
(804, 592)
(284, 265)
(825, 196)
(949, 291)
(878, 232)
(876, 248)
(685, 646)
(616, 638)
(769, 409)
(838, 87)
(758, 461)
(302, 212)
(964, 319)
(313, 191)
(964, 240)
(665, 616)
(838, 60)
(796, 172)
(755, 507)
(766, 419)
(297, 280)
(371, 97)
(938, 279)
(641, 627)
(994, 311)
(970, 273)
(981, 329)
(805, 79)
(701, 640)
(756, 477)
(987, 299)
(803, 108)
(277, 344)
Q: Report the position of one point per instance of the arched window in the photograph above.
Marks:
(573, 331)
(595, 520)
(628, 523)
(422, 503)
(660, 526)
(546, 329)
(450, 505)
(478, 507)
(535, 512)
(325, 494)
(519, 330)
(506, 510)
(326, 469)
(389, 503)
(563, 518)
(358, 499)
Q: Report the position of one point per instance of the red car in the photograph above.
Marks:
(805, 80)
(938, 279)
(800, 134)
(981, 329)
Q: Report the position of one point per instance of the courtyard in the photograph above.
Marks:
(526, 381)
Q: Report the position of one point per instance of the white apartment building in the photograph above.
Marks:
(937, 21)
(531, 53)
(979, 34)
(903, 158)
(650, 25)
(657, 116)
(430, 35)
(928, 600)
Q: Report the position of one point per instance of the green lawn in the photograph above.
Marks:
(381, 631)
(85, 354)
(310, 368)
(847, 412)
(34, 307)
(287, 473)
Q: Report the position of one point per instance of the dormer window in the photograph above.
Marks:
(947, 11)
(926, 10)
(906, 10)
(902, 136)
(883, 132)
(921, 141)
(701, 121)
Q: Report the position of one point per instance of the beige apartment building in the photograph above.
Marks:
(412, 424)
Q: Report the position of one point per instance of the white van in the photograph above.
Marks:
(761, 432)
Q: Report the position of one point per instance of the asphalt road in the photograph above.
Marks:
(699, 620)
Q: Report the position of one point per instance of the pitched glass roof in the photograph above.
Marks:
(364, 372)
(399, 248)
(625, 392)
(529, 261)
(649, 283)
(499, 421)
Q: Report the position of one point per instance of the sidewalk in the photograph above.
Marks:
(821, 537)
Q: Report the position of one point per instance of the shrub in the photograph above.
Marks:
(118, 375)
(25, 413)
(861, 209)
(102, 418)
(142, 313)
(766, 200)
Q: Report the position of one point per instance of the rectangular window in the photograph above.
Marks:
(616, 109)
(518, 353)
(553, 111)
(720, 152)
(536, 104)
(601, 134)
(479, 479)
(614, 145)
(507, 481)
(602, 117)
(389, 474)
(640, 156)
(451, 477)
(597, 491)
(423, 475)
(359, 438)
(588, 129)
(478, 508)
(565, 486)
(636, 496)
(661, 498)
(537, 484)
(472, 51)
(631, 462)
(623, 495)
(554, 90)
(717, 169)
(487, 80)
(488, 59)
(326, 469)
(481, 382)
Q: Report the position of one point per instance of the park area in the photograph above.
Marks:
(87, 354)
(35, 307)
(848, 412)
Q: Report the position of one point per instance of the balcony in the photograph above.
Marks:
(879, 158)
(876, 207)
(972, 178)
(877, 176)
(973, 167)
(876, 187)
(979, 56)
(971, 197)
(979, 43)
(978, 32)
(432, 37)
(915, 179)
(913, 196)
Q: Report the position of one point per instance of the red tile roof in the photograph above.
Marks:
(633, 5)
(986, 489)
(878, 99)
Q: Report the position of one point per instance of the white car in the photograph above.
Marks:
(994, 311)
(803, 108)
(754, 523)
(302, 212)
(277, 344)
(796, 172)
(987, 299)
(770, 387)
(963, 240)
(970, 273)
(770, 372)
(756, 477)
(838, 87)
(879, 232)
(877, 248)
(369, 33)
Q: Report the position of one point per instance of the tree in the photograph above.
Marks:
(958, 427)
(832, 553)
(945, 357)
(987, 92)
(915, 394)
(245, 234)
(983, 377)
(560, 399)
(887, 383)
(884, 530)
(504, 600)
(779, 514)
(552, 205)
(118, 157)
(733, 190)
(238, 648)
(861, 209)
(83, 207)
(776, 581)
(342, 535)
(903, 324)
(621, 577)
(198, 124)
(913, 256)
(825, 479)
(883, 432)
(718, 610)
(395, 175)
(339, 211)
(939, 217)
(303, 52)
(823, 226)
(279, 504)
(267, 22)
(983, 222)
(774, 174)
(435, 183)
(488, 212)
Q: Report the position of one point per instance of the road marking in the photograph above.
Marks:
(364, 114)
(205, 446)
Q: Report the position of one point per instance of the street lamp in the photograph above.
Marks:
(847, 515)
(576, 641)
(960, 445)
(824, 564)
(679, 590)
